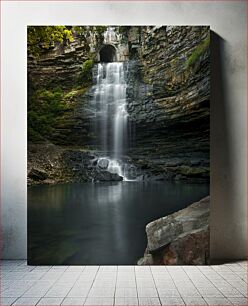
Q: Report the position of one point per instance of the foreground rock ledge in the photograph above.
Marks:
(181, 238)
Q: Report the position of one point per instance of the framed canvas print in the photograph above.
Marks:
(118, 145)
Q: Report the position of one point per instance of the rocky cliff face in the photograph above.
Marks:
(168, 102)
(168, 78)
(57, 69)
(61, 64)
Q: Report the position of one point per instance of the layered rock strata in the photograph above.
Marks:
(168, 102)
(168, 92)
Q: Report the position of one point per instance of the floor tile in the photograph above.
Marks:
(7, 301)
(99, 301)
(58, 291)
(239, 301)
(38, 290)
(194, 301)
(106, 274)
(52, 274)
(192, 292)
(73, 301)
(121, 301)
(149, 301)
(211, 292)
(42, 268)
(126, 283)
(102, 292)
(229, 291)
(75, 269)
(164, 292)
(147, 292)
(130, 285)
(129, 269)
(126, 275)
(13, 292)
(27, 301)
(58, 268)
(85, 279)
(165, 284)
(126, 292)
(108, 268)
(50, 301)
(104, 283)
(91, 269)
(166, 301)
(15, 275)
(79, 291)
(217, 301)
(141, 282)
(33, 276)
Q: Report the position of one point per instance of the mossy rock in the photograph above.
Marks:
(198, 52)
(192, 171)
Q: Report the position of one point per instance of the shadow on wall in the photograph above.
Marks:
(222, 207)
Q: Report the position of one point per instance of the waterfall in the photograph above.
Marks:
(111, 113)
(110, 36)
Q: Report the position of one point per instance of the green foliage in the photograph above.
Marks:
(81, 32)
(49, 110)
(85, 75)
(87, 66)
(70, 95)
(75, 92)
(41, 38)
(44, 107)
(52, 101)
(197, 52)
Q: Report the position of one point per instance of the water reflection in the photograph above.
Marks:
(99, 223)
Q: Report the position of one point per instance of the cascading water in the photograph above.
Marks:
(111, 114)
(110, 36)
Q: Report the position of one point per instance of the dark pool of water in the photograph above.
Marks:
(99, 223)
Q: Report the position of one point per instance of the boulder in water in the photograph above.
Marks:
(103, 163)
(181, 238)
(37, 174)
(106, 176)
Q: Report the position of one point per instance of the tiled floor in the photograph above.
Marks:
(123, 285)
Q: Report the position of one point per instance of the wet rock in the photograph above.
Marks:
(37, 174)
(103, 163)
(106, 176)
(49, 182)
(94, 162)
(146, 260)
(191, 248)
(180, 238)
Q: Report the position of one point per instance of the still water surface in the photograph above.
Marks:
(100, 223)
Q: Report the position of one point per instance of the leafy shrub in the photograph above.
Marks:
(41, 38)
(85, 76)
(44, 107)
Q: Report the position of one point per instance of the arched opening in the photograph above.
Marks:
(107, 54)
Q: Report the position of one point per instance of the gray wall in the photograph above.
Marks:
(228, 106)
